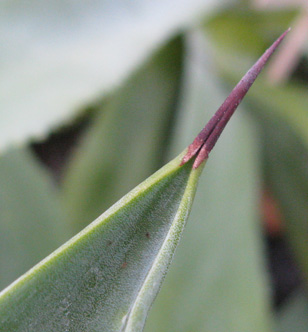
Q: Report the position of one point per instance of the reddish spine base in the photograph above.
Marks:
(207, 138)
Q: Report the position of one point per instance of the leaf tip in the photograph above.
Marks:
(207, 138)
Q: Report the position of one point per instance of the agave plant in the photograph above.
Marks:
(107, 276)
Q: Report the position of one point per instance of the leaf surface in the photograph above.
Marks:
(107, 276)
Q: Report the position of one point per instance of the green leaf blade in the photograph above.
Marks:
(100, 280)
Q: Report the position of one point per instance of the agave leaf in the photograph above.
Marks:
(107, 276)
(31, 225)
(142, 108)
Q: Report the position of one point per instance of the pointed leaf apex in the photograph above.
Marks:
(207, 138)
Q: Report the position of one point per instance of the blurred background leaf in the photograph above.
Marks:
(32, 221)
(293, 316)
(286, 172)
(56, 57)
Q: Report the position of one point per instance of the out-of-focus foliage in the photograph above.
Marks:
(32, 221)
(285, 167)
(218, 280)
(56, 57)
(294, 314)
